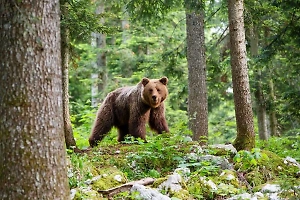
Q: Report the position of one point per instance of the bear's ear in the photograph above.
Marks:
(145, 81)
(164, 80)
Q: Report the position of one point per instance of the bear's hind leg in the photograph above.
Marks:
(102, 125)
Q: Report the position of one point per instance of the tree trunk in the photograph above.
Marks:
(241, 90)
(272, 112)
(32, 151)
(273, 119)
(261, 108)
(99, 78)
(197, 100)
(69, 137)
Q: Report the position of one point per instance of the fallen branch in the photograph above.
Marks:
(125, 187)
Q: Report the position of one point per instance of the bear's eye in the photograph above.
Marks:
(151, 90)
(158, 90)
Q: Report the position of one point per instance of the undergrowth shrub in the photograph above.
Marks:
(282, 146)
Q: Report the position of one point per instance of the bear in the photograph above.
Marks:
(130, 108)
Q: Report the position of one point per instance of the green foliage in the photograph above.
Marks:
(80, 170)
(222, 125)
(80, 18)
(150, 11)
(160, 49)
(82, 123)
(246, 160)
(282, 146)
(160, 151)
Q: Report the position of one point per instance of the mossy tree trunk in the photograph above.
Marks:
(32, 150)
(245, 139)
(197, 99)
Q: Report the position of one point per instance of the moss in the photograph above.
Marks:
(107, 178)
(182, 194)
(200, 186)
(244, 141)
(228, 177)
(89, 194)
(269, 168)
(255, 178)
(159, 181)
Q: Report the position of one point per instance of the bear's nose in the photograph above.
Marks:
(154, 98)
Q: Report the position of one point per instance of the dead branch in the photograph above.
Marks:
(125, 187)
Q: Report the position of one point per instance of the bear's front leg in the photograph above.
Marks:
(123, 131)
(157, 120)
(137, 127)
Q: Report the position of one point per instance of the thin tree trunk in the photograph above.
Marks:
(69, 137)
(273, 118)
(258, 94)
(99, 78)
(197, 100)
(272, 112)
(65, 54)
(32, 151)
(241, 90)
(261, 109)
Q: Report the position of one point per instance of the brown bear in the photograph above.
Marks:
(130, 108)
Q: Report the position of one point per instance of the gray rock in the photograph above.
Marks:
(291, 161)
(183, 172)
(227, 147)
(271, 188)
(172, 183)
(148, 193)
(219, 161)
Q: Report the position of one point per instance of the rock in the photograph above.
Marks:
(172, 183)
(196, 149)
(118, 178)
(241, 196)
(272, 188)
(183, 172)
(219, 161)
(247, 196)
(208, 183)
(148, 193)
(224, 149)
(291, 161)
(72, 193)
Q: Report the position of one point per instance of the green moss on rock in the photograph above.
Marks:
(109, 177)
(87, 194)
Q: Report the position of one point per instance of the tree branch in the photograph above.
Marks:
(125, 187)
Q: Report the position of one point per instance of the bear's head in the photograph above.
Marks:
(155, 91)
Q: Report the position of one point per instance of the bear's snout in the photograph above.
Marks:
(154, 97)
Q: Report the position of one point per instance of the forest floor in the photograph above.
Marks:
(174, 167)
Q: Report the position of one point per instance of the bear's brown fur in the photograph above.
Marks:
(130, 108)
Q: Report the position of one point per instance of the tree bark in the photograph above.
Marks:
(272, 112)
(99, 78)
(273, 119)
(261, 108)
(197, 99)
(32, 151)
(245, 139)
(65, 55)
